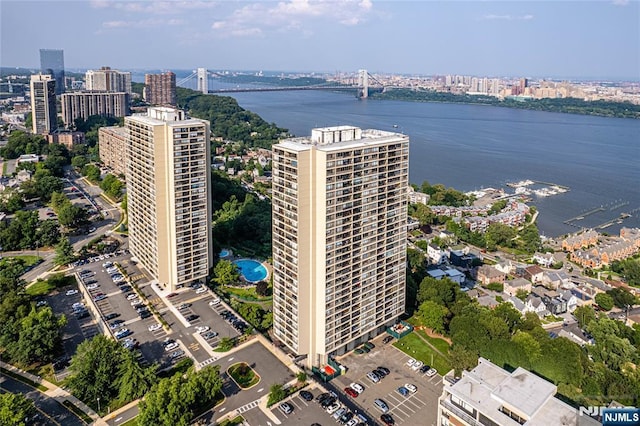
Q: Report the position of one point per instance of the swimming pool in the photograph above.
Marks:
(251, 270)
(224, 253)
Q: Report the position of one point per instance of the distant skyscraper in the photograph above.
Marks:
(160, 89)
(85, 104)
(43, 104)
(52, 63)
(339, 238)
(108, 80)
(168, 177)
(203, 80)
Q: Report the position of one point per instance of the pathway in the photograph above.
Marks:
(445, 356)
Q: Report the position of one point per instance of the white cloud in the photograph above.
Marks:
(155, 7)
(527, 17)
(291, 15)
(144, 23)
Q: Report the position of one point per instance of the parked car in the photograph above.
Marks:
(192, 317)
(410, 387)
(132, 296)
(351, 392)
(82, 314)
(416, 365)
(122, 333)
(209, 335)
(286, 408)
(201, 329)
(410, 362)
(385, 370)
(201, 290)
(381, 405)
(380, 373)
(328, 401)
(154, 327)
(111, 316)
(373, 377)
(403, 391)
(114, 324)
(368, 345)
(339, 413)
(322, 397)
(184, 306)
(171, 346)
(99, 297)
(387, 340)
(214, 302)
(345, 417)
(387, 419)
(92, 286)
(332, 408)
(431, 372)
(357, 387)
(176, 354)
(172, 295)
(71, 292)
(306, 395)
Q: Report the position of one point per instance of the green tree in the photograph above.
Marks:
(461, 359)
(416, 259)
(48, 233)
(225, 344)
(443, 292)
(64, 252)
(134, 381)
(276, 393)
(605, 301)
(79, 161)
(422, 213)
(622, 297)
(262, 288)
(15, 409)
(94, 369)
(71, 216)
(434, 315)
(92, 172)
(584, 315)
(522, 294)
(499, 234)
(301, 376)
(38, 337)
(226, 272)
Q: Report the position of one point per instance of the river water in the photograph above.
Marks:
(471, 147)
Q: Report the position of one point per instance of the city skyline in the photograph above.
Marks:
(586, 40)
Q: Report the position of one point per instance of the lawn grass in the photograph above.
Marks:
(236, 421)
(440, 344)
(130, 422)
(416, 348)
(40, 288)
(243, 375)
(77, 411)
(24, 380)
(248, 294)
(28, 259)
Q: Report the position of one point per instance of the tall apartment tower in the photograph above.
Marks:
(203, 80)
(52, 63)
(160, 89)
(88, 103)
(109, 80)
(43, 104)
(339, 238)
(168, 177)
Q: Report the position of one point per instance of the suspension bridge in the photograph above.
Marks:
(362, 83)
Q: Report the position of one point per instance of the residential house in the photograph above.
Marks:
(518, 304)
(511, 287)
(554, 279)
(461, 259)
(533, 303)
(455, 275)
(417, 197)
(570, 298)
(543, 259)
(578, 241)
(505, 266)
(555, 305)
(533, 273)
(488, 301)
(585, 259)
(488, 274)
(436, 254)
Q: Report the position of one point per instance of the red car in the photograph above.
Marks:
(172, 294)
(352, 393)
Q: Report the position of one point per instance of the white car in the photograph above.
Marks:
(410, 387)
(201, 329)
(357, 387)
(112, 270)
(410, 362)
(201, 290)
(71, 292)
(132, 296)
(416, 365)
(154, 327)
(431, 372)
(352, 422)
(92, 286)
(135, 302)
(171, 346)
(214, 302)
(333, 408)
(77, 305)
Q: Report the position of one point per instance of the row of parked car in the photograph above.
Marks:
(329, 401)
(236, 322)
(417, 365)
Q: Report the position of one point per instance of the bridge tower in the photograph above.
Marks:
(363, 82)
(203, 80)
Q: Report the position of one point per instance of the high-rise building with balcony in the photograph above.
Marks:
(43, 104)
(52, 63)
(339, 238)
(112, 142)
(160, 89)
(85, 104)
(169, 195)
(109, 80)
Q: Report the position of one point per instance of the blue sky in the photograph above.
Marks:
(582, 39)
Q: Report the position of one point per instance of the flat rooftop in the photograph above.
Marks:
(341, 137)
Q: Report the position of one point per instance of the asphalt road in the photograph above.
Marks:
(51, 412)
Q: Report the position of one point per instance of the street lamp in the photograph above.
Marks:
(98, 398)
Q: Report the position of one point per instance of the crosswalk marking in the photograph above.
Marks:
(248, 406)
(208, 361)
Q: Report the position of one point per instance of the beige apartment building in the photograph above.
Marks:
(169, 195)
(43, 104)
(339, 238)
(109, 80)
(85, 104)
(112, 143)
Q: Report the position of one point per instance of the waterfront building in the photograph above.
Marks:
(339, 238)
(160, 89)
(106, 79)
(112, 143)
(168, 177)
(43, 104)
(85, 104)
(489, 395)
(52, 63)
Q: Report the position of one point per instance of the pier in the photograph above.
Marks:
(585, 214)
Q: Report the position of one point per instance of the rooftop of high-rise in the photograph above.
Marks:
(340, 137)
